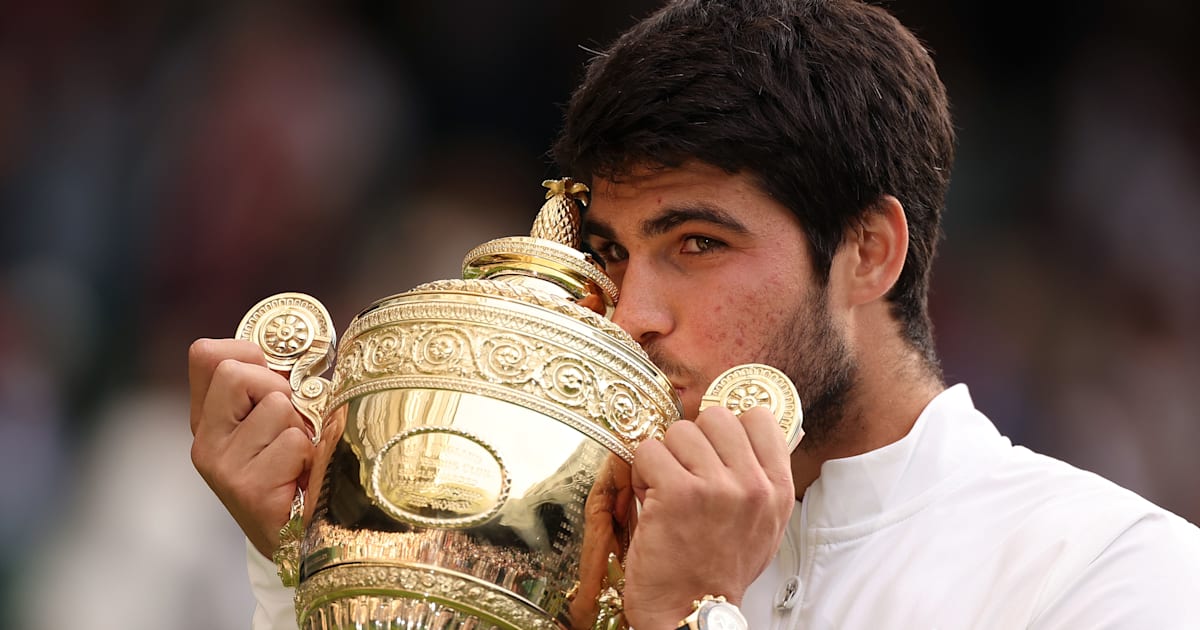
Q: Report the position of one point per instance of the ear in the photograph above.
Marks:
(874, 252)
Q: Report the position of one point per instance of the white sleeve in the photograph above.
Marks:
(1148, 577)
(276, 608)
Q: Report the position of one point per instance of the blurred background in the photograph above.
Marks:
(165, 165)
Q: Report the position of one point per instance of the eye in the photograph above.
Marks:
(609, 251)
(700, 245)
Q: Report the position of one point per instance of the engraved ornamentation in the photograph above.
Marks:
(568, 380)
(288, 333)
(350, 368)
(523, 294)
(610, 439)
(505, 359)
(533, 248)
(382, 353)
(442, 350)
(313, 387)
(747, 397)
(516, 353)
(338, 586)
(622, 410)
(287, 326)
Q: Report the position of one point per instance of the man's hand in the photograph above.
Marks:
(716, 497)
(250, 444)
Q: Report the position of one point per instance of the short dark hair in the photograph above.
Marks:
(829, 104)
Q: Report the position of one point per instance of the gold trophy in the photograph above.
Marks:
(475, 441)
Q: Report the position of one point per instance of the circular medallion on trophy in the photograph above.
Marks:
(745, 387)
(285, 326)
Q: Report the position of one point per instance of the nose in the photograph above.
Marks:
(644, 307)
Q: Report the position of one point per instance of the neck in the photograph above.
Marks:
(885, 403)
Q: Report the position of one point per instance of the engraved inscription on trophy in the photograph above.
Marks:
(439, 477)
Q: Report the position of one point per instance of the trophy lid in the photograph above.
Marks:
(549, 258)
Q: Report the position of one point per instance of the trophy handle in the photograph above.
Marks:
(297, 336)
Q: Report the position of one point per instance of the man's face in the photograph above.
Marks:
(713, 273)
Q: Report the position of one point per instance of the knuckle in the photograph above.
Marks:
(715, 415)
(760, 491)
(228, 371)
(207, 455)
(200, 351)
(277, 401)
(644, 452)
(294, 439)
(752, 488)
(678, 430)
(675, 429)
(784, 480)
(200, 459)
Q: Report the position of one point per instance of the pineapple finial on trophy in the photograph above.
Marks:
(549, 258)
(558, 219)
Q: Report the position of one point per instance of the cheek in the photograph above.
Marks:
(743, 323)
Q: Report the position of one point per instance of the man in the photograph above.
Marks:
(767, 183)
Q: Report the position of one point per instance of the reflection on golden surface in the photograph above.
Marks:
(366, 596)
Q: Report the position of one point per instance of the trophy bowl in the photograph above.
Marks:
(475, 441)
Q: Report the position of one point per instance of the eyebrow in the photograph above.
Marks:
(670, 218)
(591, 227)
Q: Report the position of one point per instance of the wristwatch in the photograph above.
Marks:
(714, 613)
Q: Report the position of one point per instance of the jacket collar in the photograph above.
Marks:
(949, 439)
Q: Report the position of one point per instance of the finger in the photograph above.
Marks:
(693, 450)
(235, 389)
(653, 464)
(727, 435)
(287, 457)
(269, 418)
(768, 443)
(684, 453)
(624, 485)
(203, 357)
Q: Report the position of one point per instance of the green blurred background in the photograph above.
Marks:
(164, 165)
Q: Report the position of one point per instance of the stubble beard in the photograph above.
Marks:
(810, 350)
(814, 354)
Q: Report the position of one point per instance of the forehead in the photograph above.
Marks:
(628, 203)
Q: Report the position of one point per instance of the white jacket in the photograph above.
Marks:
(952, 527)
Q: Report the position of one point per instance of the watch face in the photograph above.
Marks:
(722, 617)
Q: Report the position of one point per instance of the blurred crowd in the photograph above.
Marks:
(165, 165)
